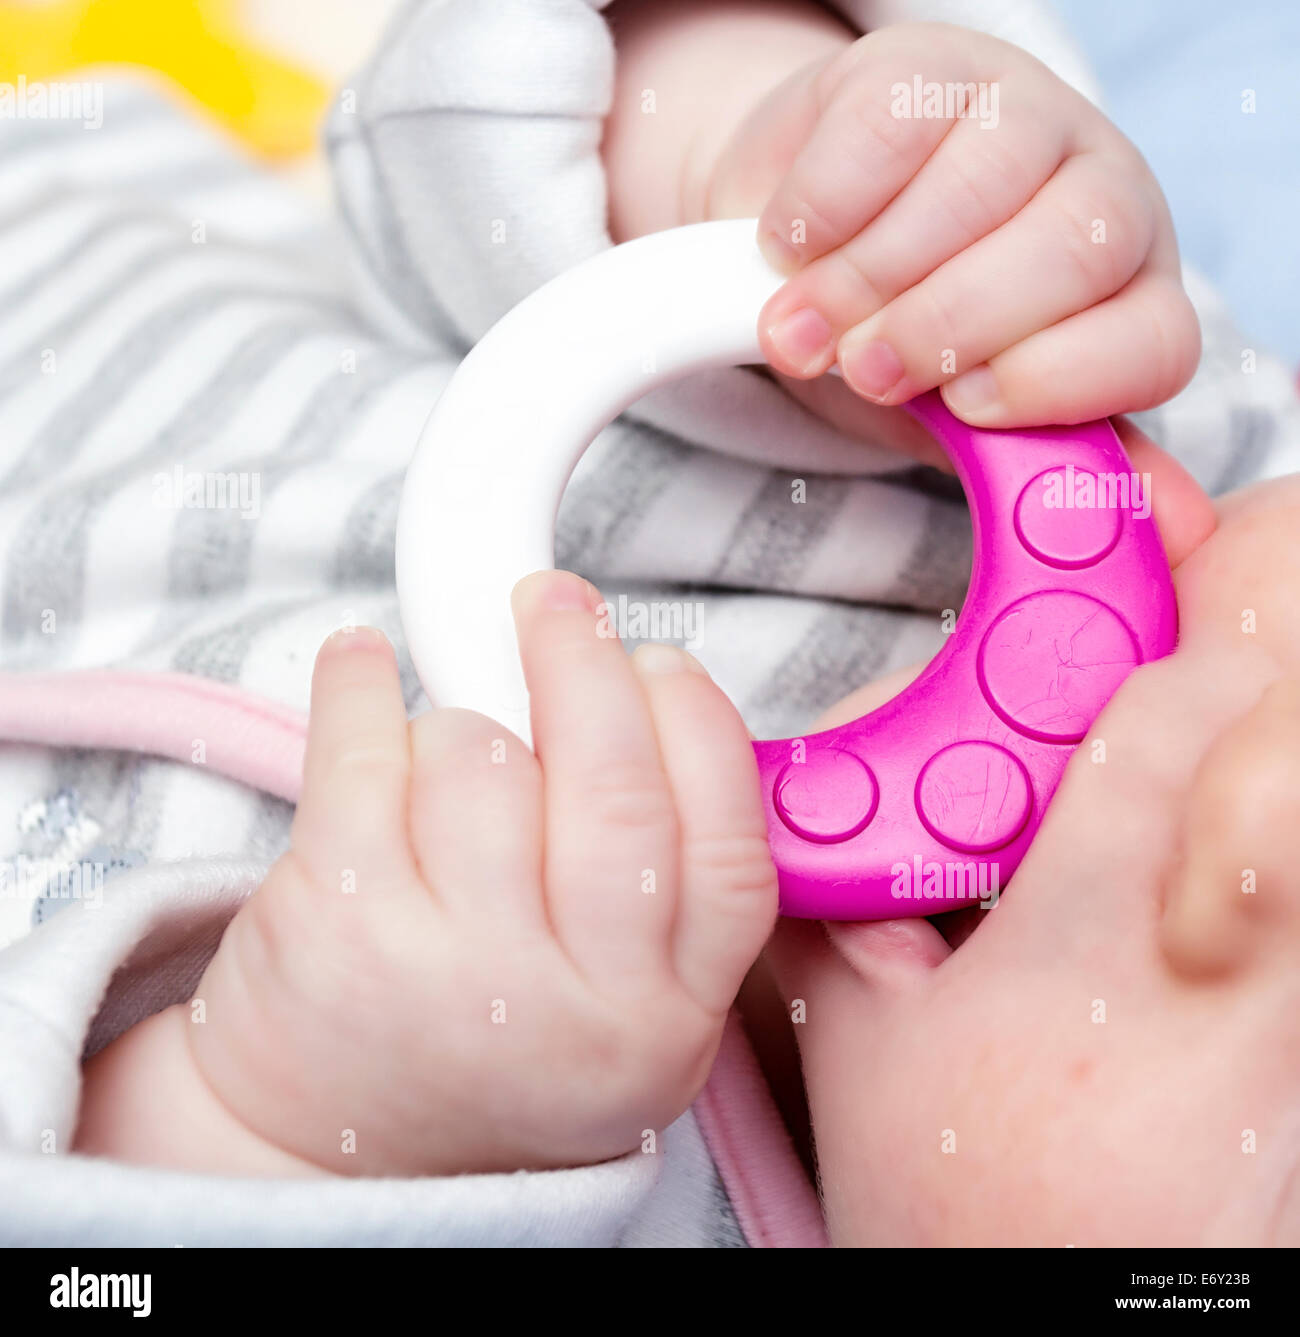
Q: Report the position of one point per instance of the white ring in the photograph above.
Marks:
(481, 494)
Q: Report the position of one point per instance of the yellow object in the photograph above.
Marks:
(197, 44)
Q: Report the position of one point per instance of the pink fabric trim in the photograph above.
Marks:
(261, 743)
(255, 741)
(775, 1204)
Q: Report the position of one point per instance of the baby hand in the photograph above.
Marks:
(1010, 246)
(474, 958)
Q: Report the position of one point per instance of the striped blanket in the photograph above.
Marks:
(210, 384)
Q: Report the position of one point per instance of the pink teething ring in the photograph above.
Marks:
(1065, 600)
(923, 805)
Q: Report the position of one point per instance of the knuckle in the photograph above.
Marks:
(625, 798)
(369, 764)
(1174, 340)
(804, 205)
(987, 188)
(871, 126)
(740, 865)
(936, 316)
(1102, 261)
(1055, 363)
(1088, 263)
(855, 269)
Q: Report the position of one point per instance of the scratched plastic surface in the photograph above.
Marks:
(930, 802)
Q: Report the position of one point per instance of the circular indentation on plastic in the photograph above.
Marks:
(1051, 660)
(829, 796)
(1061, 521)
(974, 796)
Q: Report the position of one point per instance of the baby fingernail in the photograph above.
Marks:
(557, 591)
(972, 391)
(802, 338)
(654, 657)
(872, 369)
(356, 638)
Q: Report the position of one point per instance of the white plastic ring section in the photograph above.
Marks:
(478, 506)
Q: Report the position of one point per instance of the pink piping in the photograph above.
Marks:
(261, 743)
(247, 738)
(775, 1204)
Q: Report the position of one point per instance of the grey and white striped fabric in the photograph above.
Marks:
(169, 311)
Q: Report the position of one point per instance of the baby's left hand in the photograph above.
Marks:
(472, 958)
(1019, 253)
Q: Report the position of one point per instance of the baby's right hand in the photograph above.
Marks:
(474, 958)
(996, 237)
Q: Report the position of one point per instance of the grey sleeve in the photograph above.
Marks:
(94, 969)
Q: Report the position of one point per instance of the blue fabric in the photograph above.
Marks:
(1174, 72)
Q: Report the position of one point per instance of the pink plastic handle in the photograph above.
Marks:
(930, 802)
